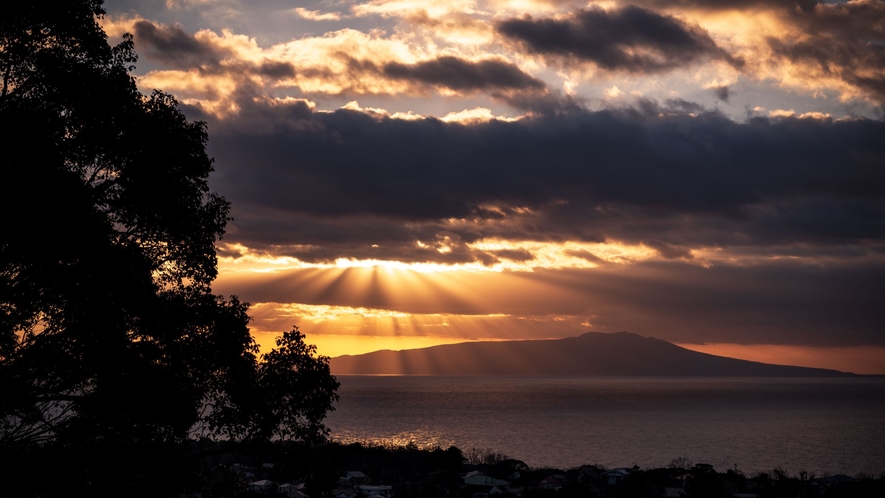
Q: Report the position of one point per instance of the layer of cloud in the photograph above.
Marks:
(843, 42)
(580, 175)
(823, 49)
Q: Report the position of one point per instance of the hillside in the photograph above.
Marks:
(590, 354)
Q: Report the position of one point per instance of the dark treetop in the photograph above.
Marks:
(114, 352)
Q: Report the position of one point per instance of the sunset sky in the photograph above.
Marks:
(405, 173)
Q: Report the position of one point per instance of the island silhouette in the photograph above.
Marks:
(590, 354)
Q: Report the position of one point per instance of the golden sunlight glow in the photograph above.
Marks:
(337, 345)
(783, 113)
(552, 255)
(337, 330)
(475, 115)
(433, 8)
(352, 320)
(547, 255)
(417, 267)
(506, 256)
(457, 28)
(519, 7)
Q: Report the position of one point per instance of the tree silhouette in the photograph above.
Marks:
(114, 352)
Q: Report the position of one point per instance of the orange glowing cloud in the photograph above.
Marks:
(812, 51)
(396, 8)
(344, 62)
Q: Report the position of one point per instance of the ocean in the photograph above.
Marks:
(822, 426)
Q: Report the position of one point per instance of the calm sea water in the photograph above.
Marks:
(818, 425)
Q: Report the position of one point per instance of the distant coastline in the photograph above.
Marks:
(590, 354)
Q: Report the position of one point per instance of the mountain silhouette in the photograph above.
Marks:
(590, 354)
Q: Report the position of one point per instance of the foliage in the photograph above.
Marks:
(682, 462)
(487, 456)
(433, 472)
(112, 343)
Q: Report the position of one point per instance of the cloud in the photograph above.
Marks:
(685, 106)
(457, 27)
(315, 15)
(630, 39)
(432, 8)
(613, 92)
(668, 251)
(459, 74)
(276, 70)
(173, 46)
(803, 5)
(839, 45)
(856, 63)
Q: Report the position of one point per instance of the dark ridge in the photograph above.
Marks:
(590, 354)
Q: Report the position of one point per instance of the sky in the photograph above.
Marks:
(405, 173)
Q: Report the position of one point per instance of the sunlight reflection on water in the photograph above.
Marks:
(423, 439)
(818, 425)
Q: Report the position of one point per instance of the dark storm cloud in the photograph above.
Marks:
(630, 39)
(427, 169)
(335, 184)
(460, 74)
(173, 46)
(500, 79)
